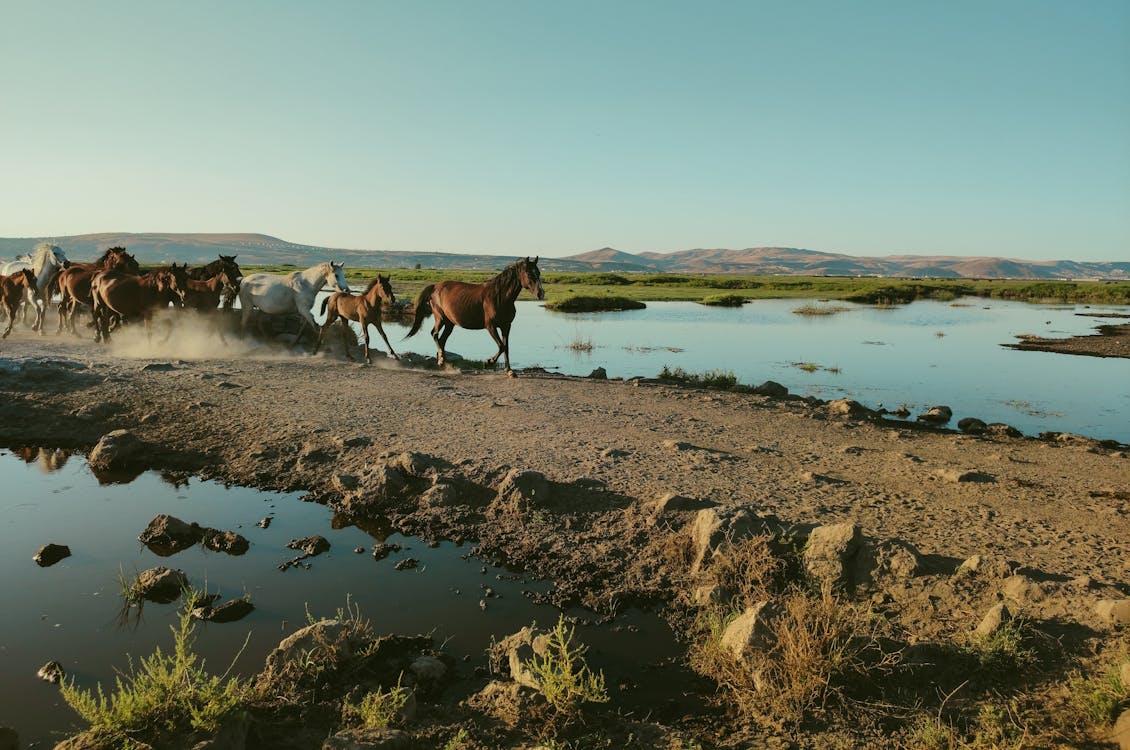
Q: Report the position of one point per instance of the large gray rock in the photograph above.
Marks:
(166, 535)
(849, 408)
(49, 554)
(772, 389)
(522, 491)
(713, 528)
(326, 638)
(936, 415)
(972, 426)
(751, 631)
(160, 584)
(831, 551)
(119, 449)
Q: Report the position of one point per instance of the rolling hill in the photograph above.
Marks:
(262, 249)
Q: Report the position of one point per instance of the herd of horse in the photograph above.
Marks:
(116, 292)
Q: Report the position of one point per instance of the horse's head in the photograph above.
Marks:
(335, 276)
(117, 258)
(530, 277)
(177, 281)
(231, 268)
(383, 287)
(47, 254)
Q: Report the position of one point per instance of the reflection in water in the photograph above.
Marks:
(47, 459)
(68, 612)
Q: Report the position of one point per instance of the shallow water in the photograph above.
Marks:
(919, 354)
(69, 612)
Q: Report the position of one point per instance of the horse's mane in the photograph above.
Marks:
(101, 259)
(373, 283)
(498, 288)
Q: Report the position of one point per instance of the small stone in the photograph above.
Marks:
(751, 631)
(1114, 612)
(1021, 589)
(936, 415)
(310, 545)
(599, 374)
(1120, 734)
(772, 389)
(993, 620)
(49, 554)
(264, 523)
(407, 563)
(51, 672)
(972, 426)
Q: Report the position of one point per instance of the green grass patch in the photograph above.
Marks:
(724, 300)
(709, 379)
(566, 681)
(820, 309)
(584, 303)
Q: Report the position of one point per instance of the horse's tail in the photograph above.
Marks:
(423, 309)
(325, 304)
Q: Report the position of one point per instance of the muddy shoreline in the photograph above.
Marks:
(1112, 340)
(570, 479)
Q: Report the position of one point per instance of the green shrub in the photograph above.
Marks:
(168, 693)
(566, 681)
(724, 300)
(708, 379)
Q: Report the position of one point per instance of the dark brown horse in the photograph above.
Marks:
(489, 305)
(74, 282)
(364, 308)
(135, 297)
(204, 297)
(14, 290)
(222, 263)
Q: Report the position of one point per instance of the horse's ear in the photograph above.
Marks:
(536, 257)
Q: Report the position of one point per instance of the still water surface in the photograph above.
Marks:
(69, 612)
(920, 354)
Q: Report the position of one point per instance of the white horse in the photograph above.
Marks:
(293, 293)
(45, 261)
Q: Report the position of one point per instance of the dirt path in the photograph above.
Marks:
(1048, 504)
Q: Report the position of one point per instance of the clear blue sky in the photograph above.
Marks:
(966, 127)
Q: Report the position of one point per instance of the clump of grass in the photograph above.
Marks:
(566, 681)
(813, 367)
(1099, 699)
(167, 694)
(820, 309)
(708, 379)
(724, 300)
(580, 344)
(821, 645)
(1007, 651)
(377, 709)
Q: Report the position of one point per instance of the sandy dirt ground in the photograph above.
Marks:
(608, 449)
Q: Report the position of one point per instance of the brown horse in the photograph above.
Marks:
(204, 296)
(14, 290)
(74, 282)
(135, 297)
(223, 263)
(365, 309)
(489, 305)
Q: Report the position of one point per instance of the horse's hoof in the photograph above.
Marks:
(511, 374)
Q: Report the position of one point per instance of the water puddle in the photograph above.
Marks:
(71, 611)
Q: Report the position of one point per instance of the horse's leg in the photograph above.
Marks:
(330, 318)
(381, 331)
(441, 340)
(12, 310)
(364, 337)
(504, 330)
(307, 322)
(501, 342)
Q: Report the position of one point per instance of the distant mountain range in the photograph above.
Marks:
(261, 249)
